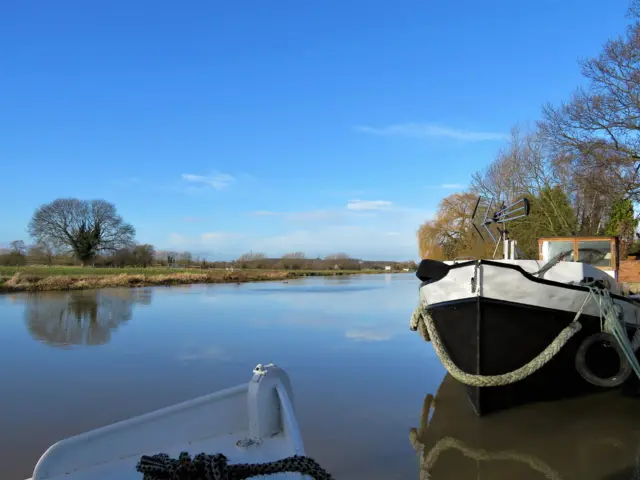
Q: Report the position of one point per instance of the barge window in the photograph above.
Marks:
(595, 252)
(551, 249)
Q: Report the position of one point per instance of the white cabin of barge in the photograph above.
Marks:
(599, 252)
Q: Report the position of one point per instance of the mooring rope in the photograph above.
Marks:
(610, 320)
(422, 321)
(215, 467)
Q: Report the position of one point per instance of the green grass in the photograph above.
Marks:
(42, 278)
(44, 271)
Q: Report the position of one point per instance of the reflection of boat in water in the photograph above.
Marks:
(518, 331)
(252, 423)
(583, 438)
(85, 317)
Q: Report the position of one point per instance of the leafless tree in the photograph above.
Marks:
(18, 247)
(144, 254)
(249, 256)
(85, 227)
(296, 255)
(337, 256)
(599, 128)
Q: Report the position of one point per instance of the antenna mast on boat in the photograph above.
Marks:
(506, 213)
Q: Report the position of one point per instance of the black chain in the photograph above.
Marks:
(215, 467)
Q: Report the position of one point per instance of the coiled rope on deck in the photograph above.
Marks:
(215, 467)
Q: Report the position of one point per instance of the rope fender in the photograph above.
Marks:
(215, 467)
(422, 321)
(611, 324)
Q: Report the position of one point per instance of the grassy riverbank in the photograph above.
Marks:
(32, 279)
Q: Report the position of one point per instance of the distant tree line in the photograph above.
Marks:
(20, 254)
(579, 166)
(69, 231)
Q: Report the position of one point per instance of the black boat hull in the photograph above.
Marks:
(490, 337)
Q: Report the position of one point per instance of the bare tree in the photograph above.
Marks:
(294, 260)
(249, 256)
(144, 254)
(185, 258)
(85, 227)
(600, 126)
(41, 253)
(337, 256)
(296, 255)
(18, 247)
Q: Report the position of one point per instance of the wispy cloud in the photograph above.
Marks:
(208, 354)
(206, 239)
(447, 186)
(217, 181)
(368, 204)
(310, 215)
(426, 130)
(367, 335)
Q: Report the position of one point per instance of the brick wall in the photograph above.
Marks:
(629, 271)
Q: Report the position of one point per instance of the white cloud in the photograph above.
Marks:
(368, 204)
(314, 215)
(447, 186)
(310, 215)
(357, 241)
(215, 236)
(209, 353)
(206, 239)
(373, 230)
(426, 130)
(367, 335)
(217, 181)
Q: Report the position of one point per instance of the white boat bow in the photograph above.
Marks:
(253, 423)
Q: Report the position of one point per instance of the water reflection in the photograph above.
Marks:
(358, 373)
(80, 318)
(595, 437)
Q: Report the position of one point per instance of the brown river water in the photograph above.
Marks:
(363, 383)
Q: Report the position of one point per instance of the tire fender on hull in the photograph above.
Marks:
(585, 372)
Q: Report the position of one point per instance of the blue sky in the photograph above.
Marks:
(320, 126)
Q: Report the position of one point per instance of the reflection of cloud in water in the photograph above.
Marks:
(368, 335)
(351, 306)
(302, 289)
(327, 297)
(85, 317)
(209, 353)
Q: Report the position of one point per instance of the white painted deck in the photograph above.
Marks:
(250, 423)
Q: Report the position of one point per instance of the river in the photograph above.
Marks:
(73, 361)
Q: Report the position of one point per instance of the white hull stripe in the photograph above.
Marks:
(510, 285)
